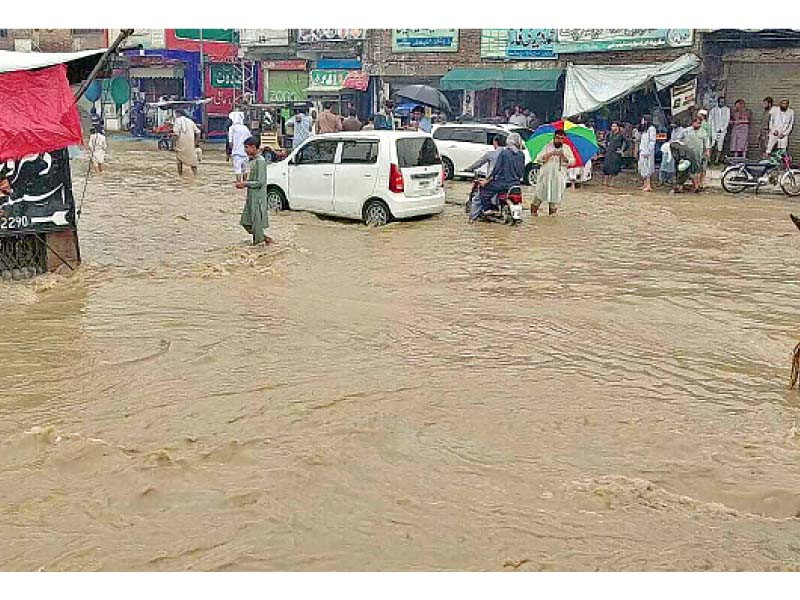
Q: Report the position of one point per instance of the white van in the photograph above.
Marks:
(371, 176)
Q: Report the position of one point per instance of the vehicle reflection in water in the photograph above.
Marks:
(605, 389)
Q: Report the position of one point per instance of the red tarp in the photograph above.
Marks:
(37, 112)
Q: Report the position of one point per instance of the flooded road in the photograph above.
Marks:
(602, 390)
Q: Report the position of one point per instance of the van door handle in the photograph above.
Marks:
(368, 176)
(327, 174)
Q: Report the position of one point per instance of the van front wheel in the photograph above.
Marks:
(376, 213)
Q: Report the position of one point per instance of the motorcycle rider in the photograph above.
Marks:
(506, 173)
(489, 159)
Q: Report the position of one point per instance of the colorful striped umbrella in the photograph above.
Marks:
(580, 138)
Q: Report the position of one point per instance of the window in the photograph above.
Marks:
(524, 133)
(417, 152)
(315, 153)
(359, 152)
(3, 33)
(471, 136)
(443, 133)
(490, 135)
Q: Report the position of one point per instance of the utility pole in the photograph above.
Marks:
(203, 112)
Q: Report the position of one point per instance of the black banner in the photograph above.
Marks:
(36, 194)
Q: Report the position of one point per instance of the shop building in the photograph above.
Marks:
(751, 65)
(283, 76)
(335, 68)
(498, 68)
(226, 76)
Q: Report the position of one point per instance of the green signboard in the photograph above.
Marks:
(328, 78)
(609, 40)
(520, 44)
(224, 75)
(287, 86)
(424, 40)
(209, 35)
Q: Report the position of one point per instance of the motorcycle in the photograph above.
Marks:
(742, 174)
(506, 207)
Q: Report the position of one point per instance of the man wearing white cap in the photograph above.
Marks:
(781, 122)
(719, 119)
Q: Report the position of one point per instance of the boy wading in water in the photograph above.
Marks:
(255, 218)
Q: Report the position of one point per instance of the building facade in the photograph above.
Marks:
(403, 56)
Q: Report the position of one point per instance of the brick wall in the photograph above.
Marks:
(379, 59)
(7, 42)
(55, 40)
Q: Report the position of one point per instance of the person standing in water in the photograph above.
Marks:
(616, 146)
(237, 134)
(97, 149)
(647, 153)
(255, 218)
(552, 179)
(185, 132)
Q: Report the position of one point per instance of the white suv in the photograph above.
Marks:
(372, 176)
(461, 144)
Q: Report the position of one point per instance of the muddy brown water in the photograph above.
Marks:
(602, 390)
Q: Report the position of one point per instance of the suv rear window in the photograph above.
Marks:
(417, 152)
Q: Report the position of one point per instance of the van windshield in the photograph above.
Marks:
(417, 152)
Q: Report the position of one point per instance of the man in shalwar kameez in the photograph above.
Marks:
(255, 218)
(185, 132)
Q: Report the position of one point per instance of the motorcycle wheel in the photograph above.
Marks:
(790, 182)
(731, 181)
(506, 214)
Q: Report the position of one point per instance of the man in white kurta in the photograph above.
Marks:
(781, 122)
(185, 131)
(718, 119)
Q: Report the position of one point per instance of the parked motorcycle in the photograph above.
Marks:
(742, 174)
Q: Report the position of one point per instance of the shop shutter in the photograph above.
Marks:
(752, 81)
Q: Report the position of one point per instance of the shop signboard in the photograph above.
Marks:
(356, 80)
(328, 78)
(525, 44)
(286, 86)
(264, 37)
(291, 64)
(683, 97)
(39, 194)
(609, 40)
(225, 75)
(208, 35)
(424, 40)
(312, 36)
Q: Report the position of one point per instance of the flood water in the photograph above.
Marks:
(607, 389)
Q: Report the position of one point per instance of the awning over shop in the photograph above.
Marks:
(589, 87)
(24, 61)
(156, 73)
(532, 80)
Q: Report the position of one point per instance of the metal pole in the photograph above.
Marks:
(203, 118)
(123, 35)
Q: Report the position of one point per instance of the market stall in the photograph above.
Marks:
(40, 121)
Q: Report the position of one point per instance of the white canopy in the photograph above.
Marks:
(588, 87)
(24, 61)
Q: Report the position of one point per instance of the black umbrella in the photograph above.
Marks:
(425, 94)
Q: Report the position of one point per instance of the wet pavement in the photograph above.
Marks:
(606, 389)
